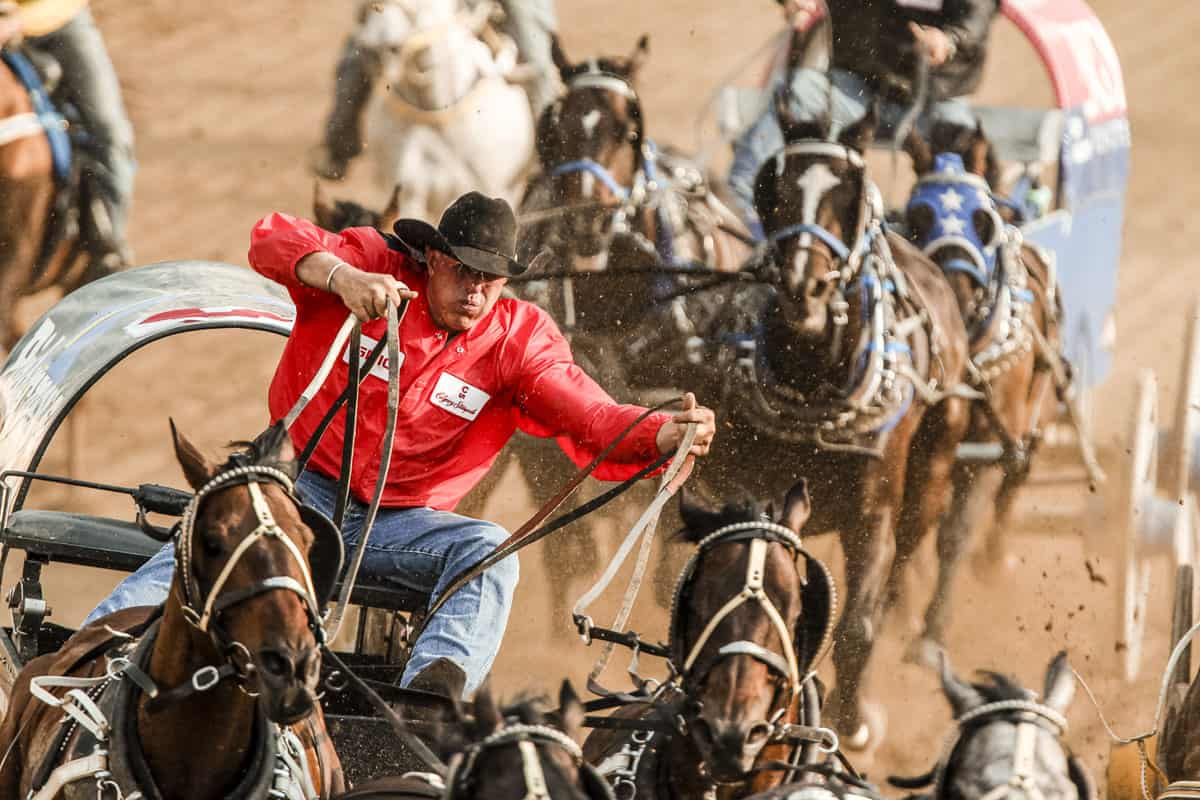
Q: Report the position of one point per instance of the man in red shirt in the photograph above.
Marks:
(474, 367)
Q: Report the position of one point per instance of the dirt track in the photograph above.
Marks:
(226, 98)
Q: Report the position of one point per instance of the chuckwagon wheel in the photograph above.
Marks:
(1180, 470)
(1181, 621)
(1134, 503)
(1148, 524)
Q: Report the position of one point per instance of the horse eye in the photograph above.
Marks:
(212, 544)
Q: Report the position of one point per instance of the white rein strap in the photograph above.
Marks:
(751, 591)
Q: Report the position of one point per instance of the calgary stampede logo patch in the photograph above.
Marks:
(458, 397)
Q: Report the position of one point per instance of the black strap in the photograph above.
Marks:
(631, 640)
(323, 426)
(353, 380)
(162, 699)
(628, 724)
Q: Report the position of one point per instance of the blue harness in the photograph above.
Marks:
(53, 123)
(953, 196)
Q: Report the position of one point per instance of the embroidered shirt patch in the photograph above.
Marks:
(458, 397)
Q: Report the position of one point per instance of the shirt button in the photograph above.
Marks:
(459, 349)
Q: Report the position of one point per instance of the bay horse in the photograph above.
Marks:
(516, 752)
(214, 694)
(849, 361)
(751, 618)
(1012, 308)
(1007, 743)
(337, 215)
(35, 254)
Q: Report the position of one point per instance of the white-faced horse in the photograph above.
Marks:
(450, 120)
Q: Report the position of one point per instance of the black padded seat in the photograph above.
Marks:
(92, 541)
(82, 539)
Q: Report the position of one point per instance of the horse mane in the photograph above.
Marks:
(618, 66)
(745, 510)
(1000, 687)
(262, 451)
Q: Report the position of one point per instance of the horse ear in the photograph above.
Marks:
(919, 151)
(637, 59)
(977, 151)
(962, 695)
(1060, 683)
(797, 507)
(487, 712)
(322, 210)
(559, 57)
(197, 468)
(392, 211)
(571, 711)
(691, 511)
(860, 135)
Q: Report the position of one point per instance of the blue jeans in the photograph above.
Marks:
(89, 82)
(847, 97)
(419, 548)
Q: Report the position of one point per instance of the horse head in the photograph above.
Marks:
(952, 214)
(253, 568)
(736, 635)
(520, 751)
(337, 215)
(590, 142)
(1009, 743)
(431, 52)
(815, 202)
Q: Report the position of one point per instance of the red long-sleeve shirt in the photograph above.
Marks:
(460, 402)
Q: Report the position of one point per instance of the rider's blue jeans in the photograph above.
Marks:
(89, 82)
(847, 97)
(420, 548)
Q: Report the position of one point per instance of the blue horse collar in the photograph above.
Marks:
(953, 196)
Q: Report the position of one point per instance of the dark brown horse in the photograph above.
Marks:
(33, 257)
(1012, 308)
(337, 215)
(751, 618)
(847, 373)
(210, 695)
(511, 753)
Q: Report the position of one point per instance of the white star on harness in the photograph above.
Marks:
(951, 200)
(954, 225)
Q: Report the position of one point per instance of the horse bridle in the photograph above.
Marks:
(1030, 718)
(527, 738)
(630, 196)
(787, 666)
(981, 257)
(202, 609)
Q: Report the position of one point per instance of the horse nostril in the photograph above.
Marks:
(758, 734)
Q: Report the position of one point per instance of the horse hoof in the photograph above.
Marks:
(924, 652)
(995, 565)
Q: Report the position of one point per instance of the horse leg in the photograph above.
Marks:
(929, 490)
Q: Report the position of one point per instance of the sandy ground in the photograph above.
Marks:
(227, 97)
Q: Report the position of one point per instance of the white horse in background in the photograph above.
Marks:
(451, 119)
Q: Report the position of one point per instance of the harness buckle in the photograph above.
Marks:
(205, 678)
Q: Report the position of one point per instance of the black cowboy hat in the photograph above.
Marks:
(479, 231)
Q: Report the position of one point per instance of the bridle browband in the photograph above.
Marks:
(201, 609)
(786, 665)
(527, 738)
